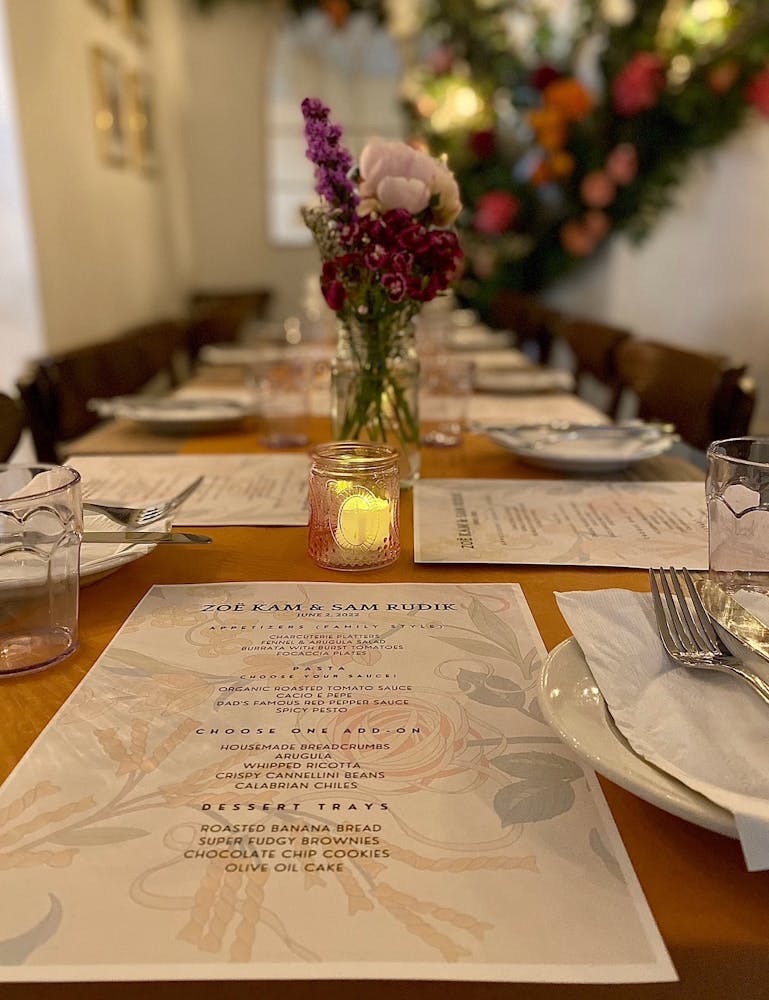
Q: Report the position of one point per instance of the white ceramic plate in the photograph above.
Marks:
(584, 447)
(573, 705)
(99, 559)
(176, 415)
(522, 380)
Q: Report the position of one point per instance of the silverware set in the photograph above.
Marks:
(687, 631)
(135, 519)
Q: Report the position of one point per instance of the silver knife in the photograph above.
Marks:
(147, 537)
(740, 623)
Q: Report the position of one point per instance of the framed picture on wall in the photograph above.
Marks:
(141, 121)
(109, 114)
(135, 19)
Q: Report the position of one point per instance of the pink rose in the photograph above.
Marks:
(597, 189)
(495, 212)
(596, 224)
(622, 163)
(576, 239)
(638, 85)
(757, 91)
(393, 175)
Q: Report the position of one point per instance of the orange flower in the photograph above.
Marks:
(723, 76)
(569, 97)
(561, 164)
(543, 173)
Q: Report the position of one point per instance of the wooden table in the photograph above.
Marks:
(713, 914)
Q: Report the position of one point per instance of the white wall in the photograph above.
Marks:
(20, 321)
(107, 254)
(228, 63)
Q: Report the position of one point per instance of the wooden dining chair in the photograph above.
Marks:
(531, 322)
(593, 346)
(705, 396)
(11, 425)
(218, 317)
(55, 390)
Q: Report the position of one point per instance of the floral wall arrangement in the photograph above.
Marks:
(567, 121)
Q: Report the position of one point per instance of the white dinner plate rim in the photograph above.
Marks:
(96, 568)
(658, 443)
(587, 728)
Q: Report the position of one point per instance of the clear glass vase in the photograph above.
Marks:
(375, 389)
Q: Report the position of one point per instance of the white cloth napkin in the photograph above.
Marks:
(708, 730)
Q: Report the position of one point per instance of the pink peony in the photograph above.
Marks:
(576, 239)
(757, 91)
(597, 189)
(393, 175)
(596, 224)
(495, 212)
(638, 85)
(622, 163)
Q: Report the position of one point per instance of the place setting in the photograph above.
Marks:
(697, 645)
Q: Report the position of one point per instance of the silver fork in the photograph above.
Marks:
(138, 517)
(691, 639)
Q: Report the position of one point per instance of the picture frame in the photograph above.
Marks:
(135, 19)
(141, 120)
(110, 105)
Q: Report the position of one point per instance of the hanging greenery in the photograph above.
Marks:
(566, 122)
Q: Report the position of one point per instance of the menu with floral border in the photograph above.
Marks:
(560, 522)
(316, 781)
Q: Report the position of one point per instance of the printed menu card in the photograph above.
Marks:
(236, 489)
(630, 524)
(316, 781)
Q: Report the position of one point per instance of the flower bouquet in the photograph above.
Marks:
(382, 229)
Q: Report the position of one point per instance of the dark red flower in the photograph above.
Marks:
(495, 212)
(757, 91)
(638, 85)
(543, 75)
(483, 144)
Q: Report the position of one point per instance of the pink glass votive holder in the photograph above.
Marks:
(354, 506)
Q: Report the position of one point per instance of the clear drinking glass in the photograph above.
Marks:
(41, 523)
(737, 493)
(283, 391)
(445, 388)
(354, 505)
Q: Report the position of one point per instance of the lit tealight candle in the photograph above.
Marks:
(354, 506)
(364, 521)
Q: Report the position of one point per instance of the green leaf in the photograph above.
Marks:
(476, 647)
(492, 627)
(98, 836)
(529, 802)
(491, 689)
(599, 848)
(534, 765)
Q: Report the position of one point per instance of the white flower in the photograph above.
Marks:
(617, 12)
(393, 175)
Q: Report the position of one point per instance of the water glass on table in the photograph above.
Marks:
(41, 523)
(737, 493)
(445, 387)
(282, 388)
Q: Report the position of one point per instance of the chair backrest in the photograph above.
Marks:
(11, 425)
(593, 345)
(218, 317)
(704, 395)
(531, 321)
(55, 391)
